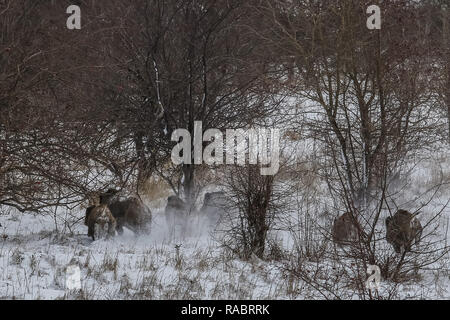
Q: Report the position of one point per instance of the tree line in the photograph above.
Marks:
(83, 109)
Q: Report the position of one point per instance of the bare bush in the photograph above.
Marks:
(254, 204)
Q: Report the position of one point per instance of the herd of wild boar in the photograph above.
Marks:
(112, 213)
(403, 229)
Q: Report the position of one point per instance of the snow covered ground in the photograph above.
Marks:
(33, 262)
(164, 265)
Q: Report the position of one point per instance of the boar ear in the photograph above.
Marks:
(388, 220)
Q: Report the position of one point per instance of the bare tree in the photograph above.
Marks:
(372, 101)
(55, 146)
(446, 45)
(190, 60)
(254, 202)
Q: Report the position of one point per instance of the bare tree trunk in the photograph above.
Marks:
(446, 44)
(189, 183)
(447, 94)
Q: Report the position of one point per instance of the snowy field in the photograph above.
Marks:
(168, 265)
(33, 261)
